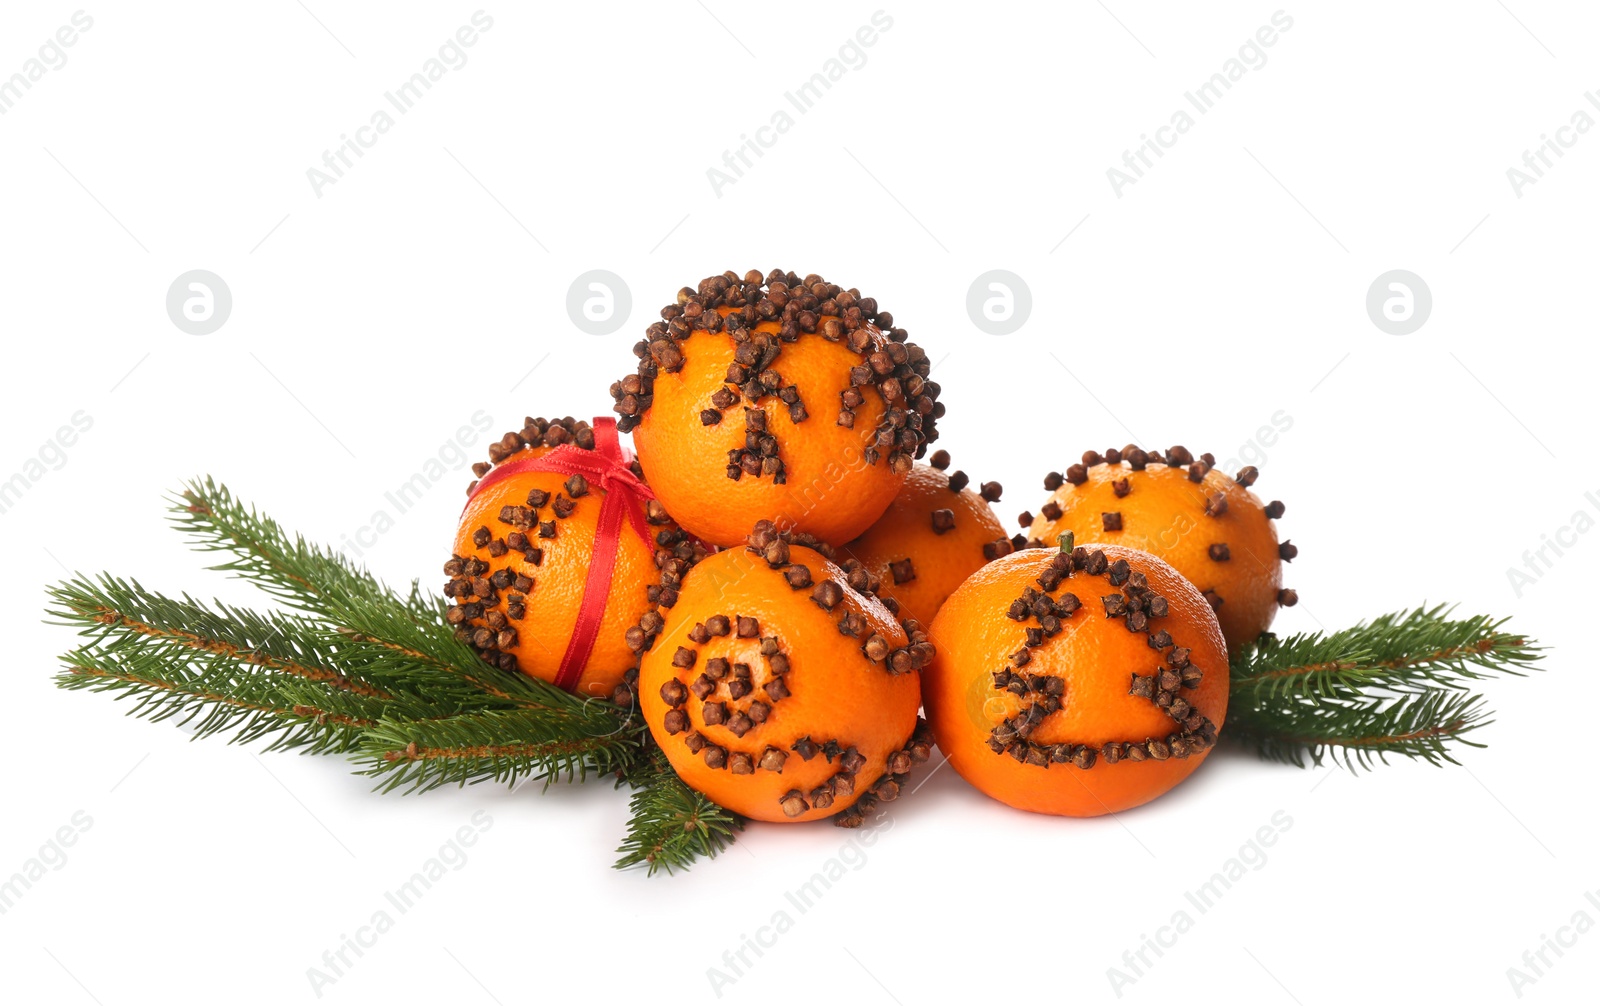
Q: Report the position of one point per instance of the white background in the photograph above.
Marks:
(372, 321)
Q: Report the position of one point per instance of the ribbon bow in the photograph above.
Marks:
(605, 468)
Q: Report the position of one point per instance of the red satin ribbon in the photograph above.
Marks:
(606, 468)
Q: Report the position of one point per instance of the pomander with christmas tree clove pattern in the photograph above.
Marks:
(1077, 681)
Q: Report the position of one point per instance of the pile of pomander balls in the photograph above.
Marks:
(803, 573)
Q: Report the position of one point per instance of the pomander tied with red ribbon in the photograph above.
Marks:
(556, 559)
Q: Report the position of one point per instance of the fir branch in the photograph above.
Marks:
(223, 695)
(1396, 685)
(361, 668)
(241, 668)
(671, 825)
(291, 569)
(502, 746)
(1357, 729)
(365, 611)
(1404, 651)
(108, 608)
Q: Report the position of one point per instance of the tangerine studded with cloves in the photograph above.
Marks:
(778, 685)
(777, 397)
(520, 562)
(1205, 523)
(939, 529)
(1076, 681)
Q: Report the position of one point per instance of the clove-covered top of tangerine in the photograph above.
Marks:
(538, 437)
(1181, 508)
(779, 397)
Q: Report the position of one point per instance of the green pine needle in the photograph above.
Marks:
(220, 696)
(1396, 685)
(1361, 729)
(502, 746)
(110, 609)
(1408, 650)
(299, 573)
(672, 825)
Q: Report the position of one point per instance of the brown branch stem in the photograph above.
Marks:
(1450, 729)
(195, 641)
(1449, 653)
(197, 506)
(302, 711)
(412, 752)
